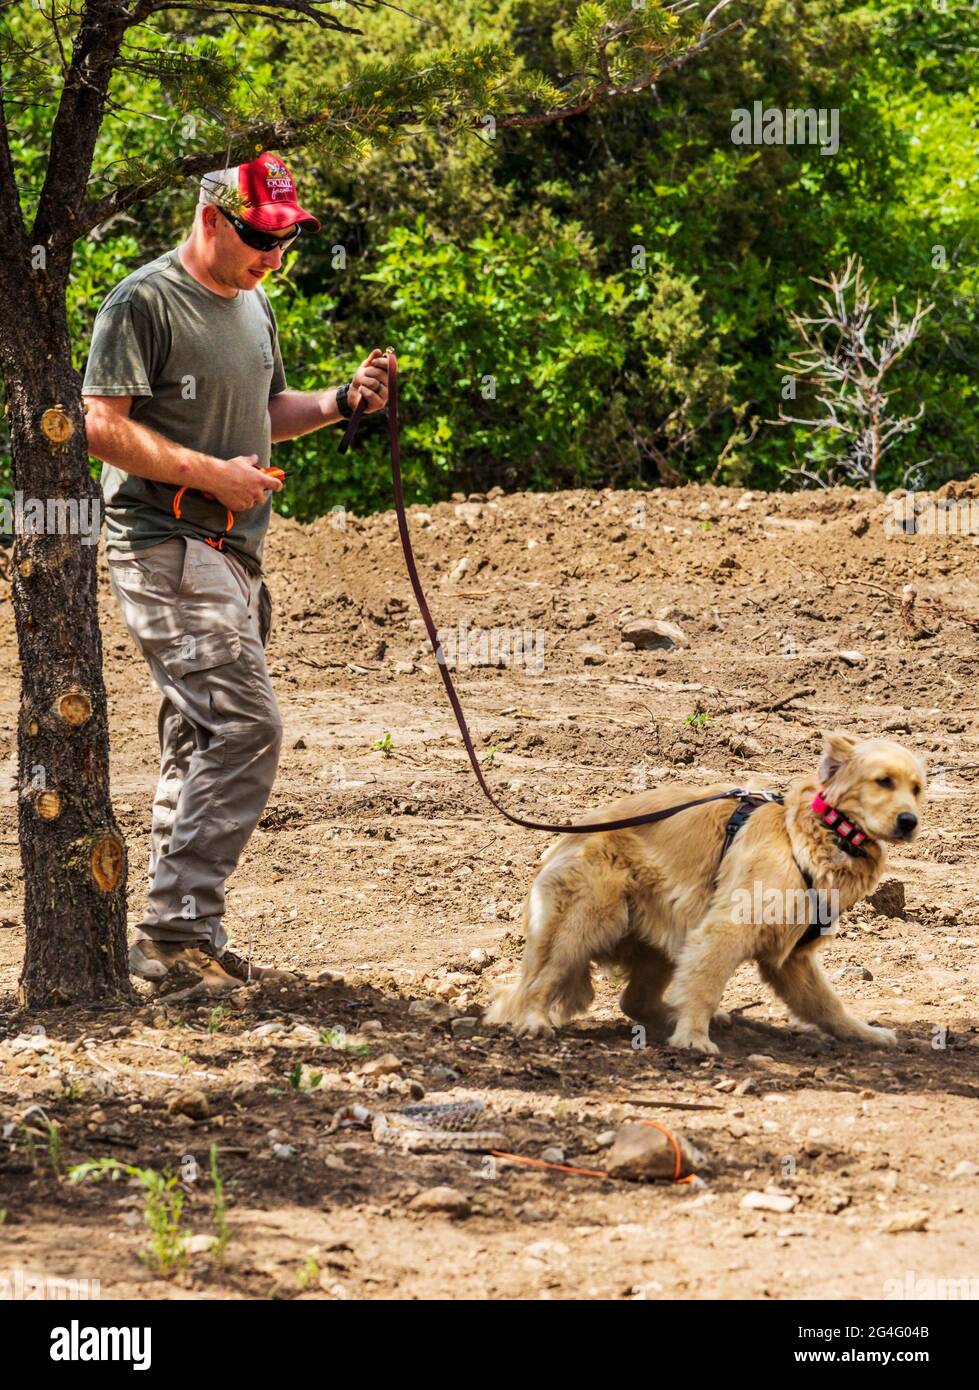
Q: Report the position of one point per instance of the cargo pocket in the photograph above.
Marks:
(190, 653)
(264, 613)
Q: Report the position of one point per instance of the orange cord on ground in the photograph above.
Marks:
(597, 1172)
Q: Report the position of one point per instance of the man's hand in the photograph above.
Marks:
(371, 377)
(239, 483)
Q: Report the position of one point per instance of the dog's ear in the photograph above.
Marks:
(837, 749)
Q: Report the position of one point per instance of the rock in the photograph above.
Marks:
(542, 1253)
(965, 1169)
(744, 1087)
(193, 1104)
(642, 1153)
(769, 1201)
(725, 1086)
(737, 1130)
(373, 1025)
(305, 1032)
(330, 977)
(860, 971)
(594, 654)
(553, 1155)
(905, 1221)
(446, 1200)
(761, 1058)
(200, 1245)
(247, 1093)
(743, 746)
(459, 569)
(266, 1030)
(434, 1009)
(852, 657)
(464, 1027)
(299, 743)
(382, 1066)
(606, 1139)
(404, 668)
(888, 898)
(653, 634)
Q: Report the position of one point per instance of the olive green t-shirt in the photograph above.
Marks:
(200, 368)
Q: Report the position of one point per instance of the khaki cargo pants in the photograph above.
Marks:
(201, 621)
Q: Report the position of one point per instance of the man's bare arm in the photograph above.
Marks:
(118, 440)
(300, 412)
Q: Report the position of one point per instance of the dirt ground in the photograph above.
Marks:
(382, 875)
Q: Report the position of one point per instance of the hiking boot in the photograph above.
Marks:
(180, 971)
(247, 972)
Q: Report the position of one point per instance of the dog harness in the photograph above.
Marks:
(850, 835)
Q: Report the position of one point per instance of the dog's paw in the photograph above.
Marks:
(696, 1042)
(533, 1025)
(858, 1031)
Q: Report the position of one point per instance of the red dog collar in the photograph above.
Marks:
(848, 831)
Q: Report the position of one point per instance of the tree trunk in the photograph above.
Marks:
(73, 854)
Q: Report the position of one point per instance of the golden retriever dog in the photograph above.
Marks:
(664, 905)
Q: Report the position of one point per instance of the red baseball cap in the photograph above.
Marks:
(261, 192)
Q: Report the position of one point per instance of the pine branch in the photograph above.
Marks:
(280, 11)
(385, 99)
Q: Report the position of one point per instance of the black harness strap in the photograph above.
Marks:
(746, 807)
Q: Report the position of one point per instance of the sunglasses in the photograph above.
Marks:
(261, 241)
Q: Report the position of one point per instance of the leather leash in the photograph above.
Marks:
(625, 823)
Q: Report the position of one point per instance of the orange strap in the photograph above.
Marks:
(598, 1172)
(218, 542)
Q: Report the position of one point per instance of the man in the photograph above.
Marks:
(185, 394)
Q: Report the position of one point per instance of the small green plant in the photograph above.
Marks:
(162, 1210)
(308, 1272)
(696, 721)
(337, 1039)
(54, 1148)
(216, 1018)
(30, 1146)
(707, 525)
(3, 1215)
(490, 755)
(384, 745)
(73, 1090)
(219, 1209)
(296, 1079)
